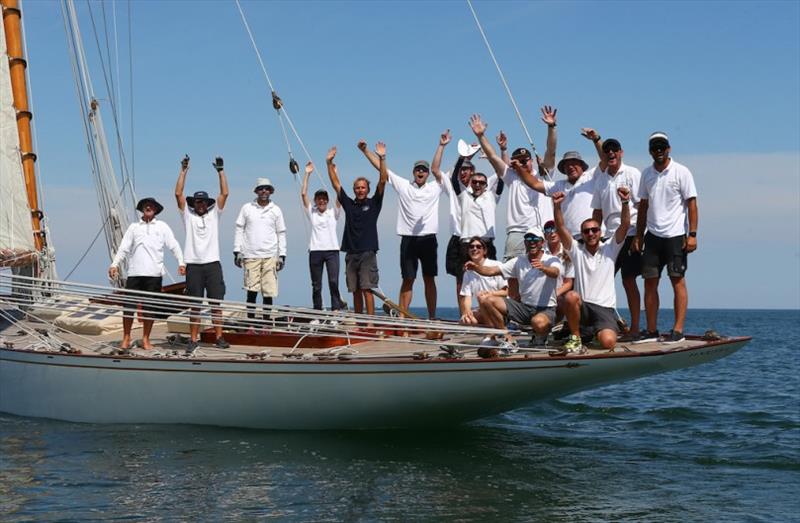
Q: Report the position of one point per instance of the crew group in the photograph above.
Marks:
(560, 254)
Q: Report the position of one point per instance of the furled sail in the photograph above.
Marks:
(16, 230)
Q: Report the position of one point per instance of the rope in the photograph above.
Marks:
(130, 93)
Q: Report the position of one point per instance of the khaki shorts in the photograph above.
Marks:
(260, 275)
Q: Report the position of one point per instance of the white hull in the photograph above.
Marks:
(310, 395)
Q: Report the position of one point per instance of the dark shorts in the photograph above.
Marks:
(629, 262)
(205, 279)
(147, 284)
(361, 270)
(415, 250)
(521, 313)
(598, 318)
(659, 252)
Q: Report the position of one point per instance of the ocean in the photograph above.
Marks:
(718, 442)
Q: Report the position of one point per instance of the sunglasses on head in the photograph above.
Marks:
(593, 230)
(533, 238)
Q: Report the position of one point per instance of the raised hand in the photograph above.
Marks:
(380, 149)
(477, 125)
(331, 154)
(309, 168)
(558, 197)
(185, 162)
(445, 138)
(502, 140)
(218, 163)
(362, 145)
(590, 134)
(549, 115)
(624, 193)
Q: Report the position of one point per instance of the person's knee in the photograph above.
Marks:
(540, 324)
(607, 338)
(572, 299)
(678, 282)
(651, 284)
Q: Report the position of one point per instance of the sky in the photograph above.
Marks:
(721, 78)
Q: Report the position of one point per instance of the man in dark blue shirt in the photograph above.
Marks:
(360, 239)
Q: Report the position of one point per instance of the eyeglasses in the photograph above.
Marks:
(592, 230)
(533, 239)
(478, 182)
(549, 230)
(476, 247)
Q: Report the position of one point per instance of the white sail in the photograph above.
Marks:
(16, 229)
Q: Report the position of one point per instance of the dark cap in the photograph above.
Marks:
(658, 138)
(549, 223)
(152, 201)
(422, 163)
(520, 153)
(200, 196)
(612, 142)
(467, 164)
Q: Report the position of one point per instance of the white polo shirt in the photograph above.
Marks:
(418, 207)
(474, 283)
(323, 228)
(607, 200)
(454, 211)
(143, 246)
(667, 192)
(567, 268)
(260, 231)
(577, 204)
(594, 274)
(535, 287)
(202, 235)
(478, 213)
(526, 208)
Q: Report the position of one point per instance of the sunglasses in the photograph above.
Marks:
(263, 188)
(659, 147)
(478, 182)
(549, 230)
(612, 148)
(533, 239)
(592, 230)
(476, 247)
(420, 170)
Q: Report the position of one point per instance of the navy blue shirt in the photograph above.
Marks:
(361, 222)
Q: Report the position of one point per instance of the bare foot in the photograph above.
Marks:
(126, 342)
(146, 345)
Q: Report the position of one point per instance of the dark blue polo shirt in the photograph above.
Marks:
(361, 222)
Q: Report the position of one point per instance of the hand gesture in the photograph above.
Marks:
(468, 319)
(218, 163)
(549, 115)
(469, 265)
(185, 162)
(558, 197)
(332, 154)
(690, 244)
(380, 149)
(445, 138)
(536, 263)
(478, 126)
(113, 272)
(362, 145)
(624, 193)
(309, 168)
(590, 134)
(502, 140)
(182, 270)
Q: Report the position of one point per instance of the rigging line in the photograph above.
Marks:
(130, 94)
(113, 92)
(116, 60)
(272, 88)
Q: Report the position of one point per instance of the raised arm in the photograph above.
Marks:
(304, 188)
(380, 153)
(479, 128)
(502, 142)
(526, 175)
(179, 186)
(223, 183)
(624, 194)
(371, 156)
(436, 164)
(591, 134)
(561, 228)
(549, 118)
(332, 173)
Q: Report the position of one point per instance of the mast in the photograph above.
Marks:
(19, 88)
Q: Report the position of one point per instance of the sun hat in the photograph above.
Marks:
(263, 182)
(199, 196)
(150, 200)
(571, 155)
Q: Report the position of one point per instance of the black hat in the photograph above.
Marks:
(612, 142)
(152, 201)
(200, 195)
(520, 153)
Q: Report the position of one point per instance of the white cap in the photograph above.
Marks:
(465, 149)
(535, 230)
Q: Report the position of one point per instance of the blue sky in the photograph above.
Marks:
(723, 79)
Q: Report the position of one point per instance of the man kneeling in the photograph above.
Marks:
(594, 300)
(537, 274)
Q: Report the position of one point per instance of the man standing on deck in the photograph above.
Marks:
(417, 226)
(360, 238)
(594, 300)
(259, 245)
(526, 208)
(201, 249)
(459, 183)
(143, 247)
(667, 196)
(608, 210)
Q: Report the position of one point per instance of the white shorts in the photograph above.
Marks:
(261, 275)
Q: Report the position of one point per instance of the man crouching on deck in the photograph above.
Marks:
(537, 274)
(594, 300)
(360, 239)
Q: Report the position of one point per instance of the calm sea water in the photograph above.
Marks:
(719, 442)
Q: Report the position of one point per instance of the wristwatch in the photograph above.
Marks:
(693, 234)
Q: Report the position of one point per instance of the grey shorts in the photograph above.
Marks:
(361, 270)
(521, 313)
(598, 318)
(515, 245)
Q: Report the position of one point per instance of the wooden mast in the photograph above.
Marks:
(19, 90)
